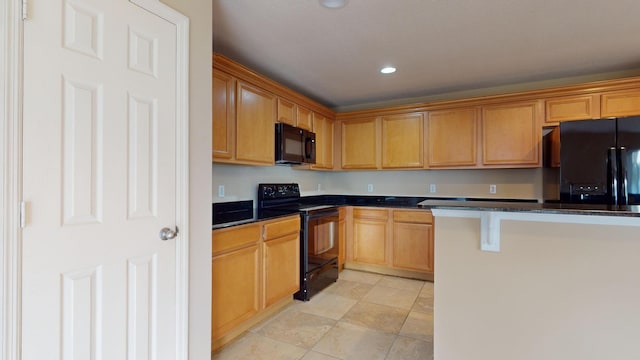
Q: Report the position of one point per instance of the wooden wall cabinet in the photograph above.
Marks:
(323, 128)
(621, 103)
(512, 134)
(223, 129)
(304, 118)
(413, 240)
(294, 114)
(384, 142)
(360, 144)
(255, 271)
(567, 108)
(287, 112)
(403, 141)
(452, 138)
(255, 125)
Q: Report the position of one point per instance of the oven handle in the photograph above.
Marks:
(323, 213)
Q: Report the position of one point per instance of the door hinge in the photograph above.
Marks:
(23, 214)
(24, 10)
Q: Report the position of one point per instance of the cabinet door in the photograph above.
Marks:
(413, 246)
(370, 236)
(360, 144)
(512, 134)
(568, 108)
(281, 268)
(223, 116)
(369, 245)
(621, 103)
(305, 118)
(287, 112)
(255, 130)
(402, 141)
(452, 138)
(323, 129)
(235, 289)
(413, 240)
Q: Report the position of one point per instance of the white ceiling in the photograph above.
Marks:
(438, 46)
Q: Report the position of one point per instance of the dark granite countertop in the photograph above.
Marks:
(410, 202)
(253, 219)
(534, 207)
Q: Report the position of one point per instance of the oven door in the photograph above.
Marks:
(322, 238)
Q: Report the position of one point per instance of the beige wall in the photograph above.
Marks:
(240, 182)
(555, 291)
(200, 15)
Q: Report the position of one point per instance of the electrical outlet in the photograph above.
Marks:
(369, 187)
(492, 188)
(432, 188)
(221, 191)
(319, 187)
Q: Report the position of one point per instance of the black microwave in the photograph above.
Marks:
(294, 145)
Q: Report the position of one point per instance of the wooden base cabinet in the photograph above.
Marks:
(235, 289)
(391, 241)
(413, 240)
(281, 255)
(255, 271)
(370, 236)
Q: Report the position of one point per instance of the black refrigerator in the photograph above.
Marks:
(600, 161)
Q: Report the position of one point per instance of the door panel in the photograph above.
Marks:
(99, 179)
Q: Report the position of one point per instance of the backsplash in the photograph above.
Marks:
(241, 182)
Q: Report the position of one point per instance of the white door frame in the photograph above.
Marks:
(11, 81)
(11, 175)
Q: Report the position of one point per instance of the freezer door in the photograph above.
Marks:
(629, 149)
(585, 146)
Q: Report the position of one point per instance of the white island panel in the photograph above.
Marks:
(561, 287)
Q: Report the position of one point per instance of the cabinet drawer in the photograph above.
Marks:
(280, 228)
(380, 214)
(422, 217)
(236, 237)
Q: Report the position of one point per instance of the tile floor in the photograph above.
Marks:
(361, 316)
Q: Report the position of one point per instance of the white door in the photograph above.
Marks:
(99, 180)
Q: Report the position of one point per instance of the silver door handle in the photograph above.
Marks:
(168, 234)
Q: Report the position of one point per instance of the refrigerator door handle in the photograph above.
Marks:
(612, 169)
(622, 176)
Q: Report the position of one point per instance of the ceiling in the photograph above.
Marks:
(438, 46)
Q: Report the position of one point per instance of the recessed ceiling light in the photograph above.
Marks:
(333, 4)
(388, 70)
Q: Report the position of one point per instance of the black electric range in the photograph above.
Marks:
(319, 243)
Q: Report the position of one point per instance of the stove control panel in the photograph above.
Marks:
(278, 191)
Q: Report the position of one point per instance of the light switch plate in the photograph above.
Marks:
(221, 191)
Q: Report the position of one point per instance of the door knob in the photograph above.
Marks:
(168, 234)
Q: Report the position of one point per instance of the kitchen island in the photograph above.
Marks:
(535, 281)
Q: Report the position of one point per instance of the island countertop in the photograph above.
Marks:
(533, 207)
